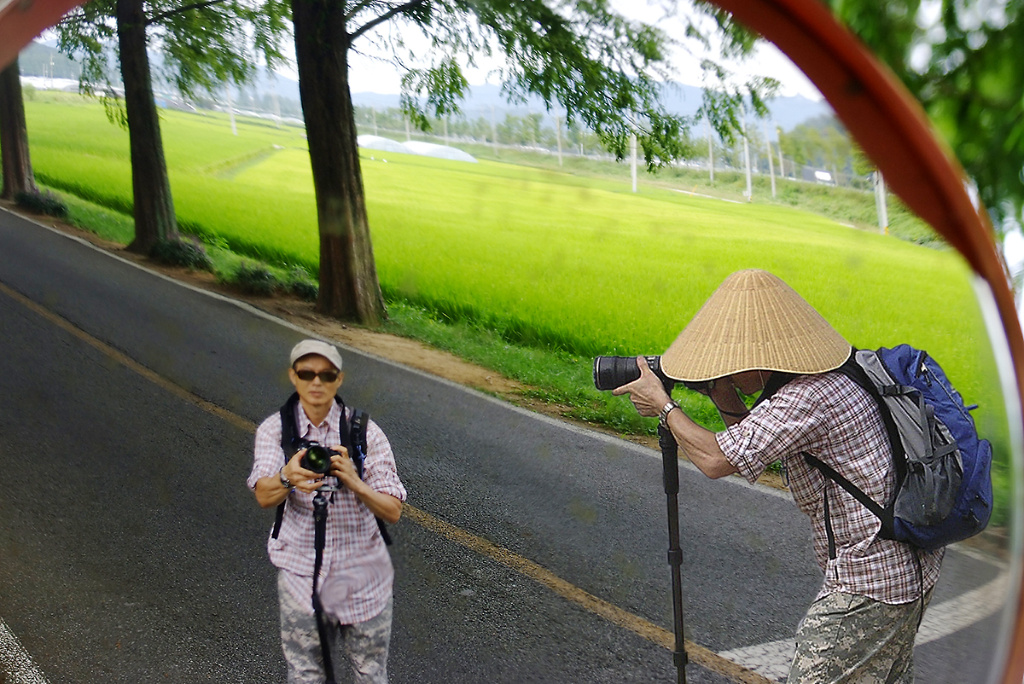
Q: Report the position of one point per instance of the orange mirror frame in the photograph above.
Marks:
(876, 109)
(23, 20)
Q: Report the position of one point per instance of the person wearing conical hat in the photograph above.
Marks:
(755, 334)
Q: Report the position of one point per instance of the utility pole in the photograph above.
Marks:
(231, 110)
(494, 132)
(632, 158)
(771, 166)
(880, 203)
(558, 136)
(711, 151)
(782, 166)
(746, 152)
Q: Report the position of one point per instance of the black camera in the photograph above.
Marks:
(317, 458)
(611, 372)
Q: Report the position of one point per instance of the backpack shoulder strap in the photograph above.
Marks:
(357, 439)
(776, 381)
(883, 514)
(288, 427)
(856, 372)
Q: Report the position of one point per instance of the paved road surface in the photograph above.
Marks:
(131, 551)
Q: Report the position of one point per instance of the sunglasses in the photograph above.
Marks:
(326, 377)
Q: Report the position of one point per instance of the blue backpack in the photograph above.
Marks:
(943, 468)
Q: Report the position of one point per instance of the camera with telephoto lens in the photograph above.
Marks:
(611, 372)
(317, 458)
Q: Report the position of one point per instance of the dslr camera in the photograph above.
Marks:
(317, 457)
(611, 372)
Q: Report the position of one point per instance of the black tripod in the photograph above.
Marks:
(670, 460)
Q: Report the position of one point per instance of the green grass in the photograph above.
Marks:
(534, 270)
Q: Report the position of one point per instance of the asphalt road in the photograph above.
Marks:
(531, 551)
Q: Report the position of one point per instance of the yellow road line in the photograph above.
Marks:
(617, 616)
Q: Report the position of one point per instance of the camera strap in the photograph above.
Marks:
(319, 541)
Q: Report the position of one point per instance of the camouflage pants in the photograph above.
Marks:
(365, 644)
(847, 638)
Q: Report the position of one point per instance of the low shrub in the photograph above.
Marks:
(255, 279)
(302, 285)
(182, 253)
(42, 203)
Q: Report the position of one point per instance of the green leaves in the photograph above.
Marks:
(970, 84)
(204, 44)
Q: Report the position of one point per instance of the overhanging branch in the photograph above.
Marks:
(387, 16)
(181, 10)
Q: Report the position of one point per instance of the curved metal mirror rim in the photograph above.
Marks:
(876, 109)
(891, 127)
(20, 22)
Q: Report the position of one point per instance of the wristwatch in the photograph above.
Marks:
(665, 410)
(285, 482)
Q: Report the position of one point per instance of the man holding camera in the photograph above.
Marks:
(756, 334)
(354, 585)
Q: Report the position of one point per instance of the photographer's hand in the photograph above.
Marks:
(382, 505)
(304, 480)
(271, 491)
(647, 393)
(697, 442)
(343, 468)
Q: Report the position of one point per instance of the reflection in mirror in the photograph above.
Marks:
(558, 259)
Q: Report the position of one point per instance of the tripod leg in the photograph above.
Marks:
(670, 460)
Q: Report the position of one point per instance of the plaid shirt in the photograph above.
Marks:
(832, 418)
(354, 553)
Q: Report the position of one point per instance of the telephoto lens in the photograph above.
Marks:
(611, 372)
(317, 458)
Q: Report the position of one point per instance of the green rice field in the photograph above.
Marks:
(543, 258)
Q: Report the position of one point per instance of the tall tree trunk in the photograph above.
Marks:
(348, 274)
(17, 173)
(151, 188)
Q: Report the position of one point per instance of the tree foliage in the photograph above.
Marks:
(203, 44)
(962, 61)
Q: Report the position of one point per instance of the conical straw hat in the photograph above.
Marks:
(754, 321)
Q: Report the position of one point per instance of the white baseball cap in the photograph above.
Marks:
(307, 347)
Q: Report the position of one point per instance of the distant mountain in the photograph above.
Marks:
(786, 112)
(43, 60)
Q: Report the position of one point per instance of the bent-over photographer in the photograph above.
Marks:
(756, 334)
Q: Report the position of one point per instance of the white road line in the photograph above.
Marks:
(16, 666)
(964, 610)
(772, 659)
